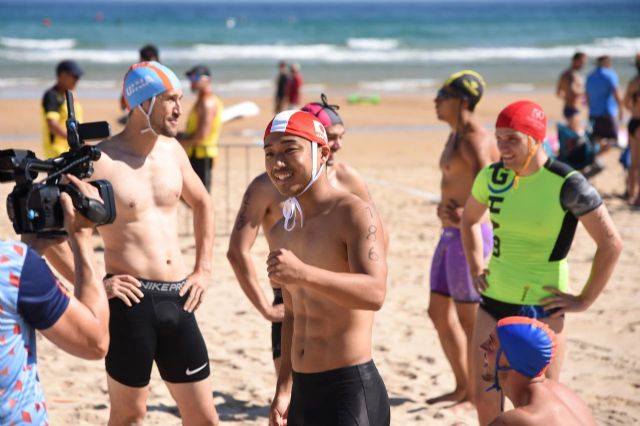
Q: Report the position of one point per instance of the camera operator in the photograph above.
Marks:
(32, 298)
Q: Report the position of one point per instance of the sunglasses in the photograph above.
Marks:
(443, 95)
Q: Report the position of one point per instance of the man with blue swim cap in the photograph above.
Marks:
(517, 354)
(152, 293)
(144, 81)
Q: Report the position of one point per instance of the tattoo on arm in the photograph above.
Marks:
(604, 223)
(371, 233)
(242, 214)
(369, 209)
(373, 255)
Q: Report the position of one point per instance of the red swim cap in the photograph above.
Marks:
(298, 123)
(327, 114)
(526, 117)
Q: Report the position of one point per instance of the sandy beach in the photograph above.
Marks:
(395, 145)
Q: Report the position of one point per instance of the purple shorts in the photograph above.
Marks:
(449, 269)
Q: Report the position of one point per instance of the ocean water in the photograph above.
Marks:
(369, 46)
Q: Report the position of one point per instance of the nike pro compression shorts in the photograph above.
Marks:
(157, 328)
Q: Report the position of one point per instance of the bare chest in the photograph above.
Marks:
(451, 161)
(314, 244)
(154, 184)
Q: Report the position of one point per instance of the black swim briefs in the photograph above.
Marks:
(349, 396)
(157, 328)
(276, 327)
(204, 169)
(604, 127)
(569, 111)
(499, 310)
(633, 125)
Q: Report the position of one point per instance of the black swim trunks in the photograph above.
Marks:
(276, 327)
(604, 127)
(157, 328)
(634, 124)
(499, 310)
(349, 396)
(204, 169)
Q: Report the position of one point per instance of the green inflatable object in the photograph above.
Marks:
(363, 99)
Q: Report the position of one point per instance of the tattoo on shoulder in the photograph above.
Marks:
(241, 221)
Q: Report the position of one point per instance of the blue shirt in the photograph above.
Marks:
(601, 84)
(30, 298)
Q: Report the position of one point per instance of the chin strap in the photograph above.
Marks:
(148, 116)
(496, 380)
(532, 148)
(292, 205)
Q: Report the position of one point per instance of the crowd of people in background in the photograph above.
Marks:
(606, 103)
(288, 87)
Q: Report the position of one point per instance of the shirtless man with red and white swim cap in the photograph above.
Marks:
(262, 207)
(328, 256)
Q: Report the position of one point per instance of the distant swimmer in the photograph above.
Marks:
(282, 86)
(516, 355)
(262, 207)
(294, 87)
(535, 204)
(605, 103)
(54, 109)
(453, 301)
(632, 103)
(328, 255)
(570, 89)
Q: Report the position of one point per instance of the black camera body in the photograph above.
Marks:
(34, 207)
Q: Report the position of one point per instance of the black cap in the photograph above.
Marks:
(199, 71)
(70, 67)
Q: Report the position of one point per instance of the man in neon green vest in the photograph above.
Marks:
(534, 205)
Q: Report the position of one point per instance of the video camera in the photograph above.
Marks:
(34, 207)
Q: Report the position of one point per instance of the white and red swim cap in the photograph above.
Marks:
(298, 123)
(526, 117)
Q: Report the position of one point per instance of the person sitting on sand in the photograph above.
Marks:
(516, 355)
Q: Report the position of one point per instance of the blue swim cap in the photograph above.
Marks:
(528, 344)
(145, 80)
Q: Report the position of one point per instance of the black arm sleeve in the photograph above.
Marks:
(578, 195)
(51, 101)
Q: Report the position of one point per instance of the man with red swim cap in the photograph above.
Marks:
(262, 207)
(534, 205)
(516, 355)
(328, 256)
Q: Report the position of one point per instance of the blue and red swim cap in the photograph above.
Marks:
(145, 80)
(528, 344)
